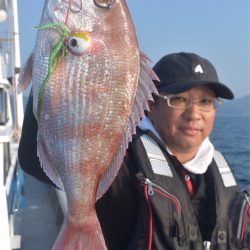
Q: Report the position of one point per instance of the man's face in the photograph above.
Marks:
(183, 130)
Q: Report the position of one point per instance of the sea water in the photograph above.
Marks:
(231, 137)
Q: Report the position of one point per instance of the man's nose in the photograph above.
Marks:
(193, 112)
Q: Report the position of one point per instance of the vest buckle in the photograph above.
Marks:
(206, 245)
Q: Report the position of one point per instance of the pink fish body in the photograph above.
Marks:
(90, 89)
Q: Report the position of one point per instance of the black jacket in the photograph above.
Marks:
(143, 210)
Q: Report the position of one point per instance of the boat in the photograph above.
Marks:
(11, 117)
(31, 212)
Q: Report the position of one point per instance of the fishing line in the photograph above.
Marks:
(68, 10)
(59, 47)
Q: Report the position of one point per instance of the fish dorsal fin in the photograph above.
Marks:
(144, 92)
(25, 75)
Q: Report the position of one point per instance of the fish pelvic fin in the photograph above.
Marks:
(80, 237)
(49, 169)
(145, 89)
(24, 79)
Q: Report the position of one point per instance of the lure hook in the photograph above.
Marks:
(74, 10)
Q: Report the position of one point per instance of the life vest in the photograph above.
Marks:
(167, 220)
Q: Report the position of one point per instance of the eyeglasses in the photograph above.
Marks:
(181, 102)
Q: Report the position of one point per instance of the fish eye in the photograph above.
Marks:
(104, 3)
(78, 43)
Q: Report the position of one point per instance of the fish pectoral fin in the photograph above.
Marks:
(25, 75)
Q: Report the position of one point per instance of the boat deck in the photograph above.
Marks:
(41, 215)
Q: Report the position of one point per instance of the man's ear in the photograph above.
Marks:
(151, 111)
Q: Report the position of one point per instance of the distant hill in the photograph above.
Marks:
(236, 107)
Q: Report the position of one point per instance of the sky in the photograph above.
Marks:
(218, 30)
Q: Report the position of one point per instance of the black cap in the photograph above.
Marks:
(179, 72)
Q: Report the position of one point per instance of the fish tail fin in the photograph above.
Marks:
(80, 237)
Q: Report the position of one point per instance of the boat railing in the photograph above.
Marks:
(9, 177)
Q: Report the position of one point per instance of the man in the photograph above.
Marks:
(174, 190)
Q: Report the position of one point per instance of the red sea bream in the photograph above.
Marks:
(90, 87)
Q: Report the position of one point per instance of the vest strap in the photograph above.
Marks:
(226, 174)
(161, 166)
(156, 157)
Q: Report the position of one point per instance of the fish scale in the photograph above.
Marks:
(90, 88)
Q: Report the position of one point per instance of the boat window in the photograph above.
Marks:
(3, 107)
(6, 151)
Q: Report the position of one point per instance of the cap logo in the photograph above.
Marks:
(198, 69)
